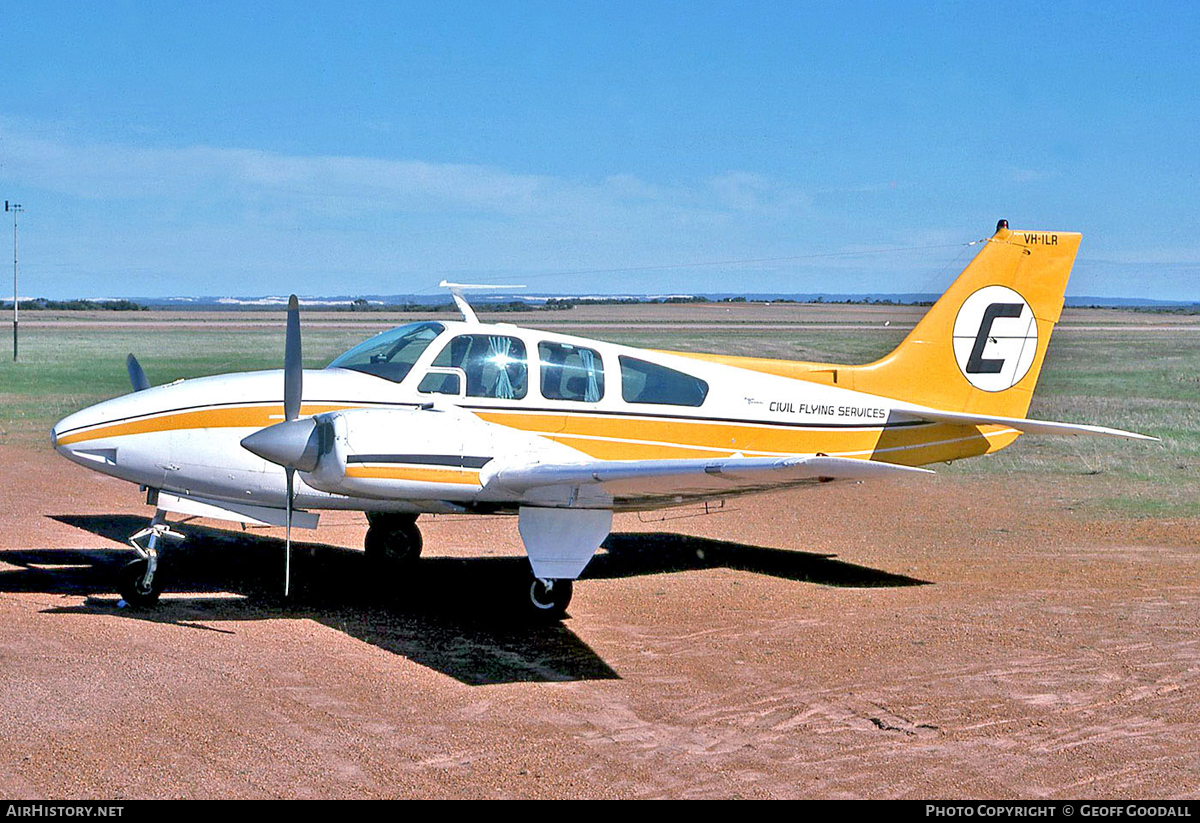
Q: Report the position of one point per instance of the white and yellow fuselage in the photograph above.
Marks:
(474, 417)
(184, 437)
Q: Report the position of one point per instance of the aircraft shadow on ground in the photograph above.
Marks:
(452, 615)
(630, 554)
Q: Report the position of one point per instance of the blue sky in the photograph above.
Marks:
(260, 148)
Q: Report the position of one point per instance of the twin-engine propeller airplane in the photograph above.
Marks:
(470, 417)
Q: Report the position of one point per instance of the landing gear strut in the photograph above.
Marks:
(140, 582)
(393, 542)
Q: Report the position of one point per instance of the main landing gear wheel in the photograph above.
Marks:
(393, 542)
(132, 587)
(548, 599)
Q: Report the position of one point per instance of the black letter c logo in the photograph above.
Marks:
(976, 364)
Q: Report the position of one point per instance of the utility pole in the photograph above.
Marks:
(16, 209)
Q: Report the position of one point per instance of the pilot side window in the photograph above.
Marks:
(495, 365)
(571, 372)
(390, 355)
(643, 382)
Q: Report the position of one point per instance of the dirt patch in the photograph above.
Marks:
(956, 637)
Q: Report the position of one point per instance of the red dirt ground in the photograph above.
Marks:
(982, 637)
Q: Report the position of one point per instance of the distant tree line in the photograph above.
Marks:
(1193, 308)
(860, 301)
(550, 304)
(42, 304)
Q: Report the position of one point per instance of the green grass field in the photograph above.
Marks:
(1145, 380)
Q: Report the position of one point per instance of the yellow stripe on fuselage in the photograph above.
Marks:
(622, 437)
(615, 437)
(416, 474)
(247, 417)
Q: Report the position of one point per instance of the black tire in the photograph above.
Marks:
(548, 603)
(393, 544)
(129, 584)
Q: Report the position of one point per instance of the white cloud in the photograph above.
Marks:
(242, 219)
(318, 183)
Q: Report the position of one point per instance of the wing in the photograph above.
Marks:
(677, 481)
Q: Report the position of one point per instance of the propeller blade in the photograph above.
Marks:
(136, 376)
(293, 363)
(287, 560)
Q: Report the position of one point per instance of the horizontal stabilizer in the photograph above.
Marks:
(1021, 424)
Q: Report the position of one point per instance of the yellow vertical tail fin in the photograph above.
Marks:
(980, 348)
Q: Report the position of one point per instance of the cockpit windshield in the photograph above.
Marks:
(390, 355)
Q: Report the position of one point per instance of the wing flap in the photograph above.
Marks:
(694, 476)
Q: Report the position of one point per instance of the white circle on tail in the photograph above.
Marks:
(995, 338)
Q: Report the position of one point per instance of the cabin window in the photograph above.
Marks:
(571, 372)
(390, 355)
(495, 365)
(440, 382)
(643, 382)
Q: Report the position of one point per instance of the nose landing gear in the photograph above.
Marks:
(140, 581)
(132, 585)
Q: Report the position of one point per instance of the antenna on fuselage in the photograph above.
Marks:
(457, 289)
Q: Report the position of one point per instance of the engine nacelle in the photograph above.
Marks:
(415, 454)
